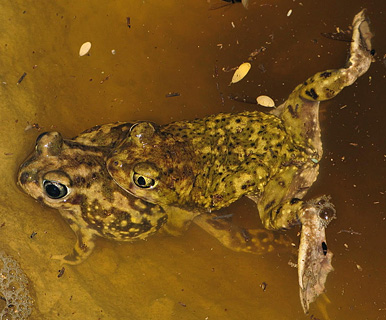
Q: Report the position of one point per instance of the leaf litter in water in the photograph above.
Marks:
(265, 101)
(85, 48)
(241, 72)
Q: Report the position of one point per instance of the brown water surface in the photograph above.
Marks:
(181, 46)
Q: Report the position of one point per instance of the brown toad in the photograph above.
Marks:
(70, 175)
(182, 171)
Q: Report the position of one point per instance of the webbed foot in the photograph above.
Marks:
(256, 241)
(327, 84)
(83, 247)
(77, 256)
(300, 111)
(314, 259)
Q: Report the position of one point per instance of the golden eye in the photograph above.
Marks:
(142, 181)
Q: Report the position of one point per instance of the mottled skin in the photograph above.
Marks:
(207, 163)
(184, 170)
(93, 204)
(70, 175)
(210, 163)
(273, 159)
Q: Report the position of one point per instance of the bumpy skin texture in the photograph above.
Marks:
(273, 159)
(186, 169)
(93, 204)
(70, 175)
(207, 163)
(210, 163)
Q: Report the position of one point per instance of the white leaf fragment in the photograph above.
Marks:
(245, 3)
(265, 101)
(241, 72)
(84, 49)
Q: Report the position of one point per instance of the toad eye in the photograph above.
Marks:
(142, 181)
(54, 189)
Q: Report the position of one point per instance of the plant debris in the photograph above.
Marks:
(265, 101)
(172, 94)
(84, 49)
(21, 78)
(241, 72)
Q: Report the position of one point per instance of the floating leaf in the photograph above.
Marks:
(85, 48)
(241, 72)
(265, 101)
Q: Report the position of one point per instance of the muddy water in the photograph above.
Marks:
(182, 46)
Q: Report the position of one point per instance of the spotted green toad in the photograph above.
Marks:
(273, 159)
(126, 181)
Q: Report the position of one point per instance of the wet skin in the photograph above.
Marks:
(273, 159)
(70, 175)
(126, 181)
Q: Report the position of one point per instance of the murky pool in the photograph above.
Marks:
(165, 61)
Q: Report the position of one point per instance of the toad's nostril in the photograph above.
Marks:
(24, 177)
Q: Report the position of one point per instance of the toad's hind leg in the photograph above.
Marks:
(256, 241)
(300, 112)
(280, 205)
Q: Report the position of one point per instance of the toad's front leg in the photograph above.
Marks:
(84, 245)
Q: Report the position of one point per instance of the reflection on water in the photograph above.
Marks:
(182, 47)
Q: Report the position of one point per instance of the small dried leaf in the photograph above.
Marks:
(265, 101)
(85, 48)
(241, 72)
